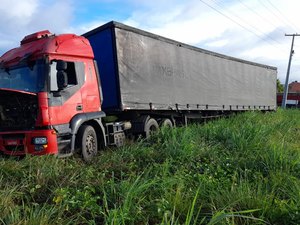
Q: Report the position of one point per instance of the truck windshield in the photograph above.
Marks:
(28, 77)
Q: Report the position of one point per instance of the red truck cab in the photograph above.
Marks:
(49, 87)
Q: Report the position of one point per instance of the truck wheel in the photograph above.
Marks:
(87, 139)
(150, 127)
(166, 123)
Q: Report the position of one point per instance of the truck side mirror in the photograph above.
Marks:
(61, 65)
(62, 79)
(61, 75)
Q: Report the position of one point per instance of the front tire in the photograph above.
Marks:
(87, 142)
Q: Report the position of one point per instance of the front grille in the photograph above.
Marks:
(13, 142)
(15, 148)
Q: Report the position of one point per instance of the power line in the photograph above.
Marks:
(262, 17)
(282, 15)
(276, 16)
(248, 24)
(239, 24)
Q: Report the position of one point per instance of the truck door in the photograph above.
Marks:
(65, 100)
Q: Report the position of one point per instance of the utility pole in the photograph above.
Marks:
(286, 86)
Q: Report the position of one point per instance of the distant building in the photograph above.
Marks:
(293, 98)
(294, 87)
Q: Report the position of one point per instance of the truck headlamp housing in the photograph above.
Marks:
(39, 140)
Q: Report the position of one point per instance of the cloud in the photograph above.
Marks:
(83, 28)
(20, 18)
(253, 31)
(185, 21)
(16, 13)
(56, 17)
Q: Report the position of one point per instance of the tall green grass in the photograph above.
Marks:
(239, 170)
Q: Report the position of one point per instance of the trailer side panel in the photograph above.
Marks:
(152, 72)
(167, 75)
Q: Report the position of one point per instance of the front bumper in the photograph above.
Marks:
(20, 142)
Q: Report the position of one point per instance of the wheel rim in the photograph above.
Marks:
(152, 129)
(151, 126)
(91, 144)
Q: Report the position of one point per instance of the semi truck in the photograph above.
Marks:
(63, 94)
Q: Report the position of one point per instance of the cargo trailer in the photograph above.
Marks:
(144, 71)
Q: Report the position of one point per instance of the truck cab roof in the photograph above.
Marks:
(45, 43)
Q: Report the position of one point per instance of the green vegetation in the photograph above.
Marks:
(280, 87)
(239, 170)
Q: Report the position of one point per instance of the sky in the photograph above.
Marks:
(253, 30)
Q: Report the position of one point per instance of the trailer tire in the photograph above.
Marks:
(87, 142)
(166, 123)
(150, 127)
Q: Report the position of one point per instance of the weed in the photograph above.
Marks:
(239, 170)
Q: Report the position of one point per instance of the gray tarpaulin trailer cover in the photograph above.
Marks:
(142, 71)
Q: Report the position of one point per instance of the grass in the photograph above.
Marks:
(239, 170)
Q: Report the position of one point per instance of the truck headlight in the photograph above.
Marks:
(39, 140)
